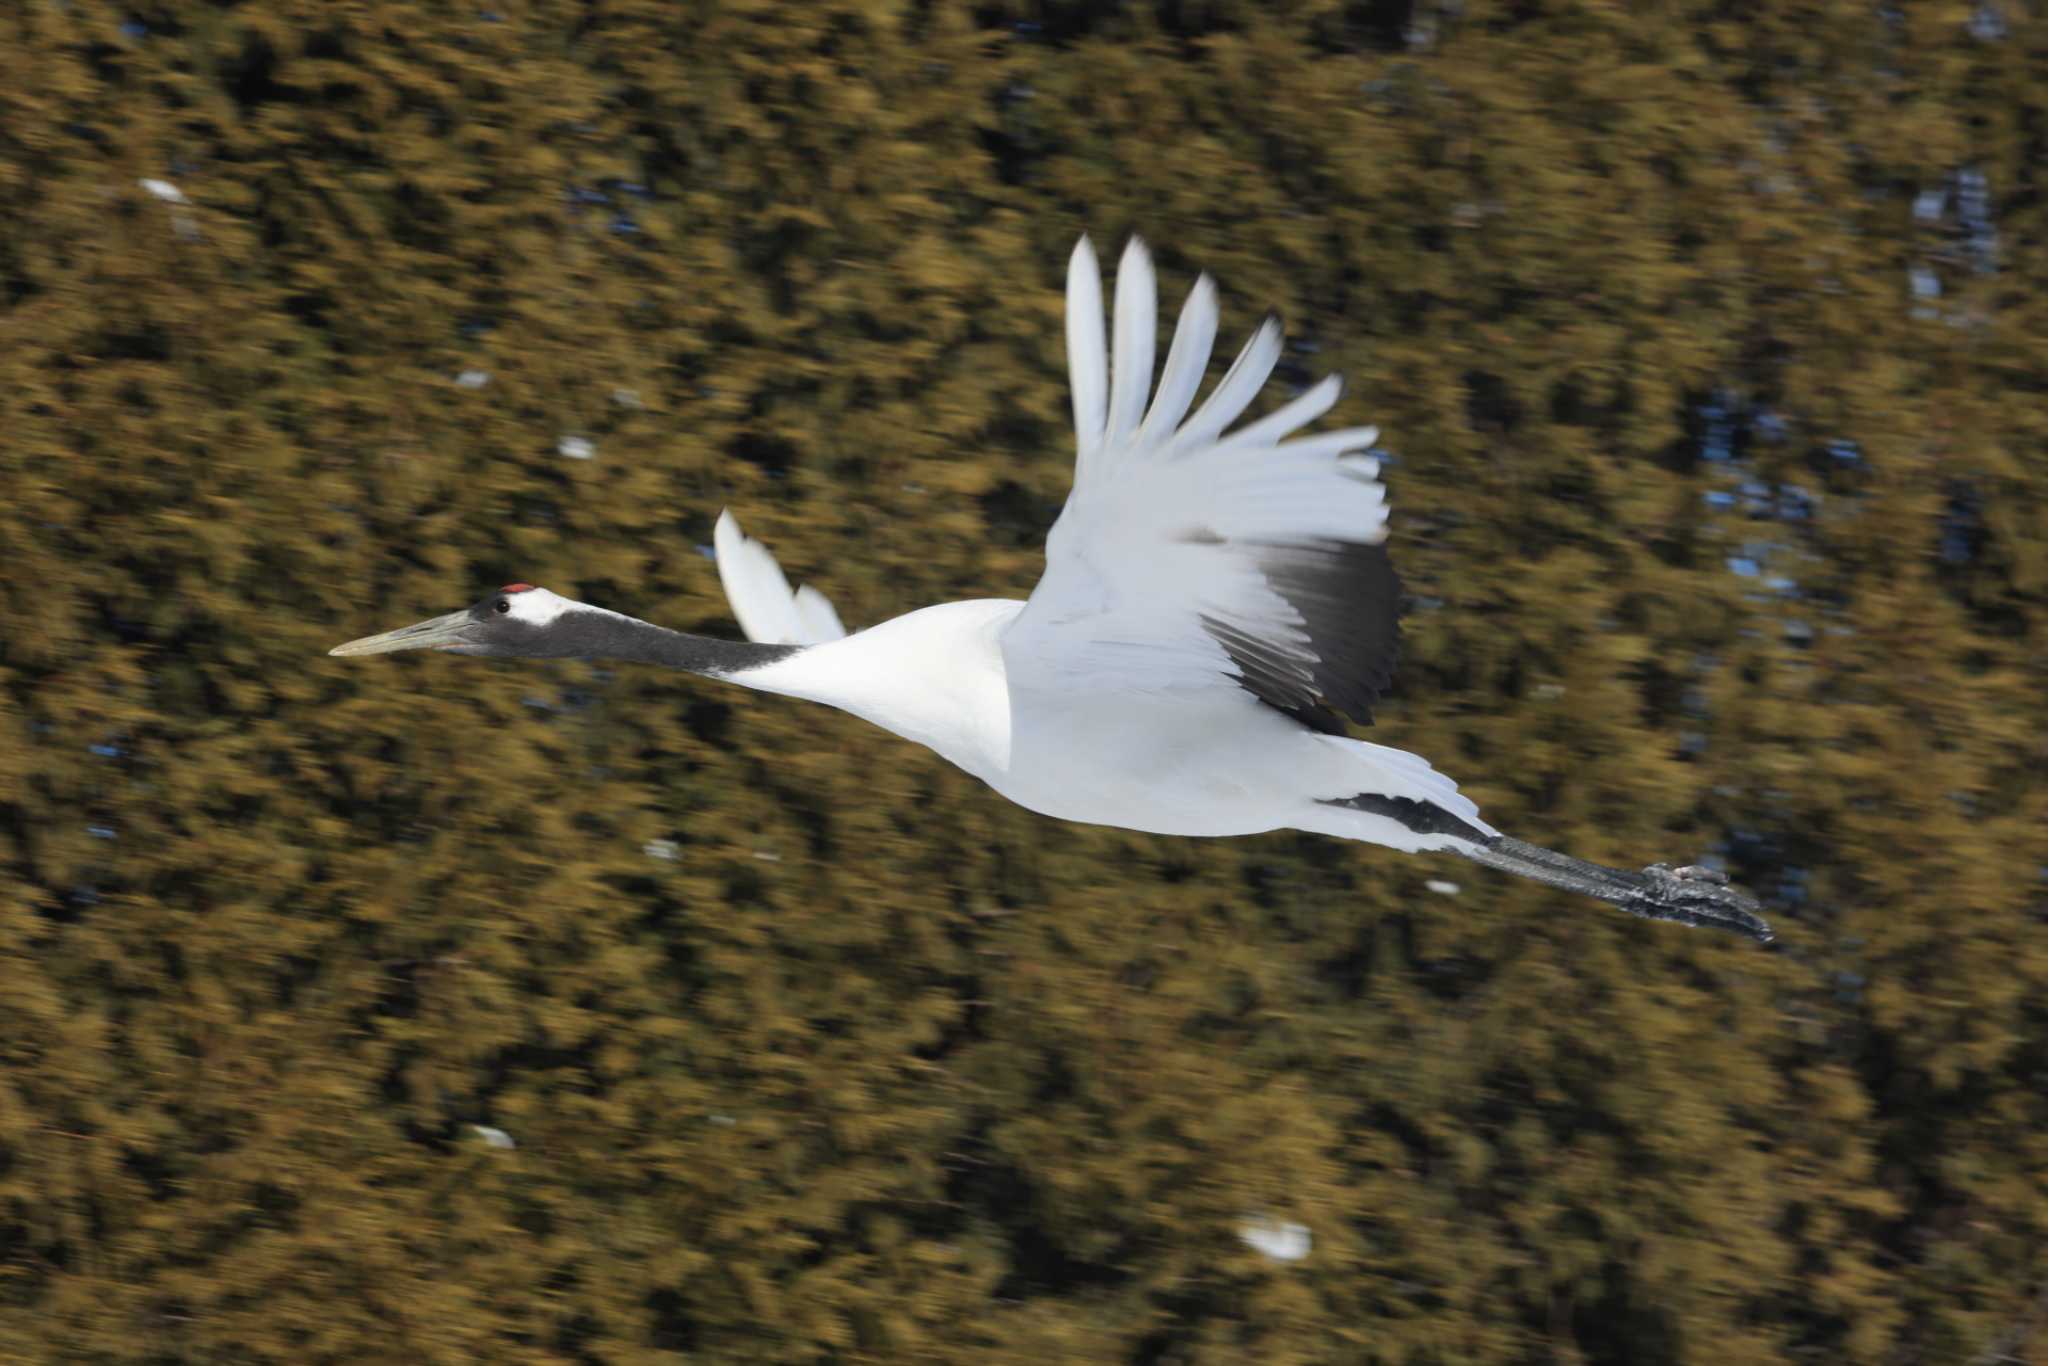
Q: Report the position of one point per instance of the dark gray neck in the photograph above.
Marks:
(607, 635)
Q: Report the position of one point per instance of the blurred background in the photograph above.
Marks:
(450, 1010)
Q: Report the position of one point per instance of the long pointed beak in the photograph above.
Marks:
(440, 633)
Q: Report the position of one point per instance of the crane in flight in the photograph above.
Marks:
(1215, 602)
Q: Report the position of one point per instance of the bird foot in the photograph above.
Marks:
(1694, 895)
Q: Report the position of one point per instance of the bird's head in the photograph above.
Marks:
(518, 619)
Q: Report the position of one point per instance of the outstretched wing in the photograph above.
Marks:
(760, 596)
(1188, 555)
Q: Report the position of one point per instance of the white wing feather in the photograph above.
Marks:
(820, 622)
(1189, 558)
(754, 584)
(1087, 358)
(1171, 530)
(1186, 359)
(1137, 320)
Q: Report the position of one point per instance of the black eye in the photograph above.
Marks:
(504, 606)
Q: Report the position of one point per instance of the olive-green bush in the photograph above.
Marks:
(1708, 340)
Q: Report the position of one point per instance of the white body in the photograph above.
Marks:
(1180, 761)
(1217, 598)
(1110, 696)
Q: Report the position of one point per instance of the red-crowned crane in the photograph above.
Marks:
(1214, 601)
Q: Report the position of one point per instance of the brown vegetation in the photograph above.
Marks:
(876, 1068)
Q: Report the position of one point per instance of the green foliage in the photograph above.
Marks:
(876, 1068)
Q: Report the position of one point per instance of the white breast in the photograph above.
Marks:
(935, 676)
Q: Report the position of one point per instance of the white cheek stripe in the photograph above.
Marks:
(539, 607)
(536, 606)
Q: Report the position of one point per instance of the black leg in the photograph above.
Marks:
(1689, 896)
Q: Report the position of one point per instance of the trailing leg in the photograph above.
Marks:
(1689, 896)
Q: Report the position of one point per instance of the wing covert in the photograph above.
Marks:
(1188, 553)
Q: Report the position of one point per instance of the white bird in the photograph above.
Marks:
(1215, 600)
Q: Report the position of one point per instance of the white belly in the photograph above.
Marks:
(1214, 762)
(1208, 759)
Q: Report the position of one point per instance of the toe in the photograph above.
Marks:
(1697, 872)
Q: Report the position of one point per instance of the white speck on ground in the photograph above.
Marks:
(1276, 1238)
